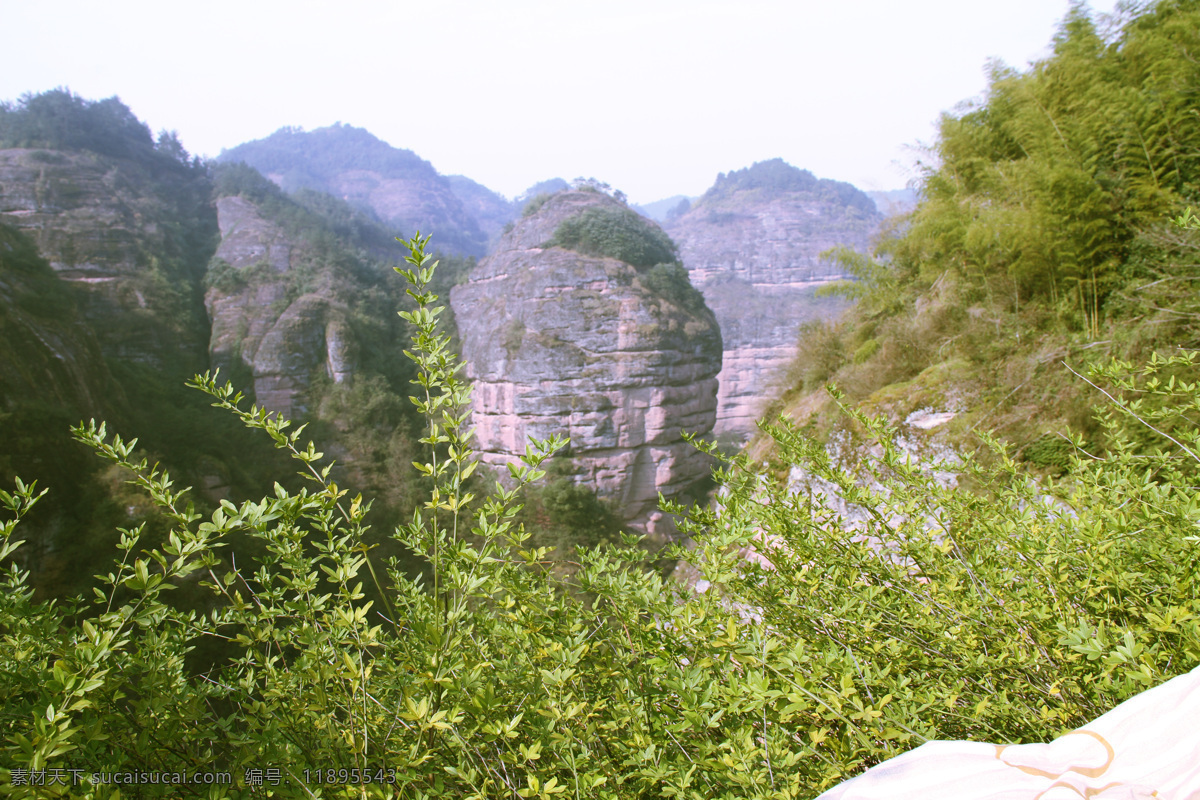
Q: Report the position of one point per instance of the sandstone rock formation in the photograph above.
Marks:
(131, 237)
(560, 342)
(267, 324)
(751, 244)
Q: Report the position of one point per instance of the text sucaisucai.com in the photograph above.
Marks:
(75, 777)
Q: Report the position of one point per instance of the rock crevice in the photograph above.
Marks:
(262, 325)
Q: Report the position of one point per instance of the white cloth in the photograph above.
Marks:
(1147, 747)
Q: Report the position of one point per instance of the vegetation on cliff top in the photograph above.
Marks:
(60, 120)
(612, 232)
(616, 231)
(776, 175)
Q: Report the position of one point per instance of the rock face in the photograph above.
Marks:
(752, 246)
(132, 237)
(402, 190)
(264, 321)
(53, 359)
(560, 342)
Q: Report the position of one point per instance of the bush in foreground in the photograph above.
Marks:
(996, 614)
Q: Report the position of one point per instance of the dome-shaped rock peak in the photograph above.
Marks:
(581, 323)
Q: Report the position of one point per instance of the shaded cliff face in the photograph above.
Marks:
(132, 237)
(560, 342)
(271, 325)
(53, 358)
(403, 190)
(52, 375)
(752, 246)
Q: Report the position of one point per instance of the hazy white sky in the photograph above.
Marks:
(652, 96)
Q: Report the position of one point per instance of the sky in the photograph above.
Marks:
(654, 97)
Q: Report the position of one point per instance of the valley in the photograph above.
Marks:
(740, 493)
(272, 266)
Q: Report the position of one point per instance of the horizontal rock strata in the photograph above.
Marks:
(559, 342)
(131, 241)
(752, 246)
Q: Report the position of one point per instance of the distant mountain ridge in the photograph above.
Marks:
(662, 210)
(752, 245)
(894, 201)
(400, 188)
(776, 176)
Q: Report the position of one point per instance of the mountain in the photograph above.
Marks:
(402, 190)
(579, 323)
(549, 186)
(894, 201)
(752, 245)
(491, 211)
(127, 267)
(662, 211)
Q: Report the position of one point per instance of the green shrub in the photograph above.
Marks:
(671, 282)
(535, 204)
(477, 677)
(819, 354)
(1049, 451)
(514, 336)
(996, 614)
(865, 351)
(564, 516)
(1010, 613)
(223, 276)
(615, 233)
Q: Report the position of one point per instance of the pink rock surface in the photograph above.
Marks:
(559, 342)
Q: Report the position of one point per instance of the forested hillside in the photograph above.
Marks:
(399, 188)
(116, 287)
(1042, 236)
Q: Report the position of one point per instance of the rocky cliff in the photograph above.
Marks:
(131, 235)
(403, 190)
(110, 241)
(587, 345)
(752, 246)
(52, 374)
(276, 321)
(52, 357)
